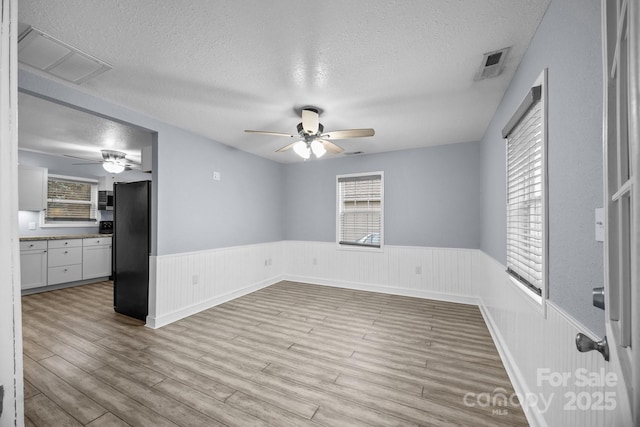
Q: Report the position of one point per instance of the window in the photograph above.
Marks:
(71, 201)
(360, 209)
(526, 193)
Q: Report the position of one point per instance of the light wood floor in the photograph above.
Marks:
(287, 355)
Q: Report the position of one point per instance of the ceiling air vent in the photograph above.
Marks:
(45, 53)
(492, 64)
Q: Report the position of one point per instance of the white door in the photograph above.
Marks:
(621, 45)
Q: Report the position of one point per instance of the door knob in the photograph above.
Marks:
(584, 344)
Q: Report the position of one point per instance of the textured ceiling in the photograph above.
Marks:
(218, 67)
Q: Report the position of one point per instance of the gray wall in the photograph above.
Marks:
(190, 211)
(568, 43)
(432, 196)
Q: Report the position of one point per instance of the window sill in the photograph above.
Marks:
(357, 248)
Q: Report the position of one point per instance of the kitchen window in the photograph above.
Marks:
(71, 202)
(526, 193)
(360, 210)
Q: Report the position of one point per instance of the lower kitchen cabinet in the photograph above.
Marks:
(96, 258)
(33, 264)
(60, 261)
(65, 261)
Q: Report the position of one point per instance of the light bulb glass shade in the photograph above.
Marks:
(302, 150)
(112, 167)
(318, 148)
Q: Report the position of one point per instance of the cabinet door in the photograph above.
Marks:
(32, 188)
(96, 262)
(33, 268)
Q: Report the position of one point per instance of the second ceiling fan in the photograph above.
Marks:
(313, 139)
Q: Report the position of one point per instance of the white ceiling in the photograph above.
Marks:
(217, 67)
(52, 128)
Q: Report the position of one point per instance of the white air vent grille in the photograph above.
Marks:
(45, 53)
(492, 64)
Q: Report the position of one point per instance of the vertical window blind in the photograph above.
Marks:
(69, 200)
(360, 210)
(525, 180)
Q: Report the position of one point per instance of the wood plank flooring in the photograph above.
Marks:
(288, 355)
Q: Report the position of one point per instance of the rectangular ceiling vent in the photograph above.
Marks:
(45, 53)
(492, 64)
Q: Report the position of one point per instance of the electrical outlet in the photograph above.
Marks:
(418, 270)
(216, 176)
(194, 279)
(32, 225)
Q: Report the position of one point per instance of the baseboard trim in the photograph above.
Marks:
(520, 386)
(160, 321)
(461, 299)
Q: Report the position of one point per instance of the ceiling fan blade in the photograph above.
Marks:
(264, 132)
(310, 121)
(331, 147)
(83, 158)
(286, 147)
(349, 133)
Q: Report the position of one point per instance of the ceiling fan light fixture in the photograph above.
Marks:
(318, 148)
(112, 167)
(302, 149)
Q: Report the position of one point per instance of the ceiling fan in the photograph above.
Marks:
(313, 139)
(113, 161)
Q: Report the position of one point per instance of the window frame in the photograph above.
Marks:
(356, 247)
(521, 111)
(68, 224)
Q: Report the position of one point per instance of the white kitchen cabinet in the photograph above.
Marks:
(32, 188)
(33, 264)
(64, 261)
(96, 257)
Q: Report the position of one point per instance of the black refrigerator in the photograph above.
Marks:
(131, 248)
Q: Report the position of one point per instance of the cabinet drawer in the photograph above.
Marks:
(96, 241)
(69, 243)
(33, 245)
(66, 273)
(65, 256)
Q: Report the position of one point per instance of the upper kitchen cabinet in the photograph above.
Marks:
(32, 188)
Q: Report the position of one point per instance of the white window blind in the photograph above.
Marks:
(360, 210)
(70, 201)
(525, 192)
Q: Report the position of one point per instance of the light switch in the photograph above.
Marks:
(216, 176)
(32, 225)
(600, 224)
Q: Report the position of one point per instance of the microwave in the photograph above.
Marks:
(105, 200)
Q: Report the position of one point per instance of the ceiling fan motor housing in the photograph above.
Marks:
(303, 134)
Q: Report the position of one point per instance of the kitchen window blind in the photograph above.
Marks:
(525, 193)
(69, 200)
(360, 210)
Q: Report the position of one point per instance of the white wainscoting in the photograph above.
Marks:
(188, 283)
(438, 273)
(527, 339)
(527, 342)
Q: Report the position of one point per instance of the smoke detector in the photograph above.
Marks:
(492, 64)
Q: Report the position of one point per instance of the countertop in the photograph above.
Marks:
(63, 237)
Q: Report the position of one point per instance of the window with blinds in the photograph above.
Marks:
(69, 200)
(360, 202)
(526, 234)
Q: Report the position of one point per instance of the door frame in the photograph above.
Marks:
(621, 146)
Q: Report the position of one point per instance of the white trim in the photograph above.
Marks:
(439, 296)
(165, 319)
(72, 178)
